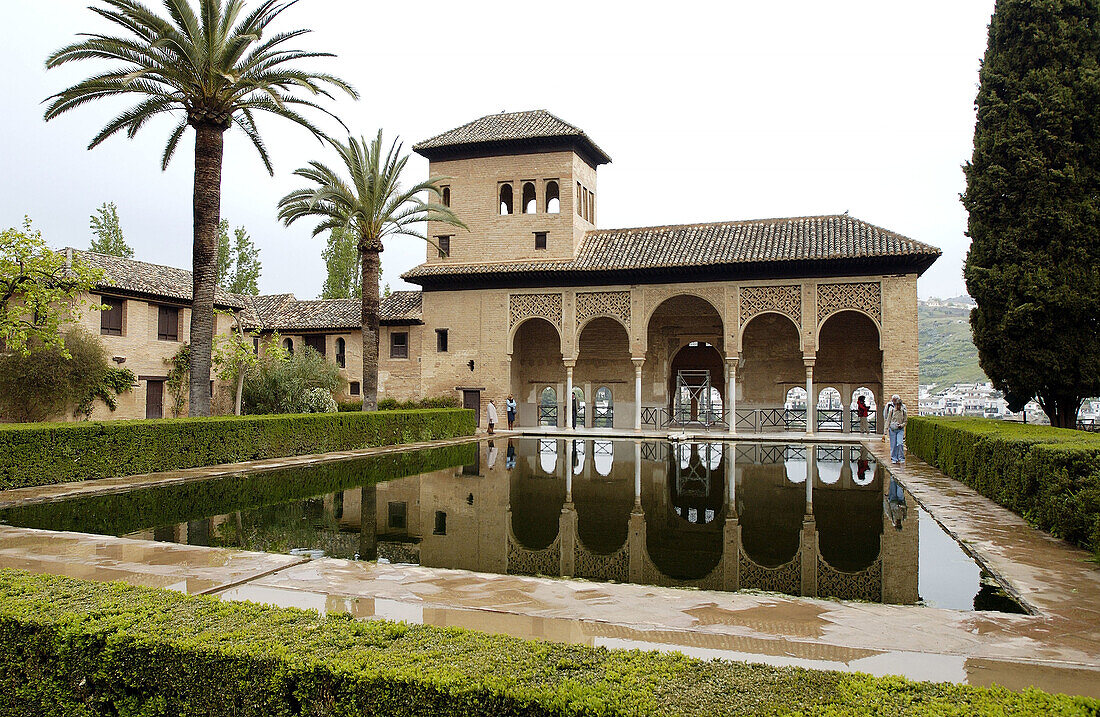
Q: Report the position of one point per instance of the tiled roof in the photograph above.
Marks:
(722, 244)
(154, 280)
(510, 127)
(282, 312)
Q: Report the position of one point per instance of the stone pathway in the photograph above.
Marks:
(1057, 648)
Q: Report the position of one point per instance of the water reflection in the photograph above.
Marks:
(819, 520)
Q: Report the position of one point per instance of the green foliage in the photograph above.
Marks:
(179, 374)
(43, 454)
(143, 508)
(280, 382)
(1032, 195)
(1051, 476)
(45, 383)
(947, 352)
(71, 646)
(389, 404)
(238, 264)
(108, 233)
(344, 280)
(39, 291)
(318, 400)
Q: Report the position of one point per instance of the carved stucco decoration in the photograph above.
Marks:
(522, 561)
(864, 296)
(603, 303)
(786, 299)
(526, 306)
(864, 585)
(592, 566)
(787, 578)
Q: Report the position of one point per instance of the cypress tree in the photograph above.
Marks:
(1033, 197)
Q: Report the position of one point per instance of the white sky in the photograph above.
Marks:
(716, 111)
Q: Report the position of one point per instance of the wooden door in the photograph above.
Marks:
(472, 399)
(154, 399)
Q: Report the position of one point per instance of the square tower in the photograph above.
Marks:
(523, 182)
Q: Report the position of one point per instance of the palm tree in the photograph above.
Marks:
(212, 69)
(373, 206)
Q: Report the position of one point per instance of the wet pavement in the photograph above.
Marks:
(1057, 648)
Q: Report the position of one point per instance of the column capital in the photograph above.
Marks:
(570, 363)
(809, 361)
(732, 360)
(638, 362)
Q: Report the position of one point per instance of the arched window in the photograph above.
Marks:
(446, 196)
(548, 455)
(605, 408)
(863, 466)
(548, 407)
(341, 358)
(578, 457)
(796, 398)
(505, 199)
(553, 200)
(530, 206)
(288, 344)
(580, 201)
(829, 410)
(794, 463)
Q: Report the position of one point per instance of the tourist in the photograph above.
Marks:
(492, 456)
(492, 416)
(896, 417)
(864, 411)
(510, 456)
(510, 407)
(896, 509)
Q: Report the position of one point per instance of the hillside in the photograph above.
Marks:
(947, 353)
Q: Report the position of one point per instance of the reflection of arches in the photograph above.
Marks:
(548, 455)
(553, 202)
(603, 457)
(829, 465)
(530, 206)
(770, 510)
(578, 457)
(684, 526)
(604, 408)
(548, 408)
(603, 507)
(864, 467)
(794, 463)
(849, 527)
(506, 199)
(535, 502)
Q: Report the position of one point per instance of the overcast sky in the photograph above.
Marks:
(714, 111)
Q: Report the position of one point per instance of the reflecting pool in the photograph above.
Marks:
(821, 520)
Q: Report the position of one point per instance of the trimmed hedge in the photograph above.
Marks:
(44, 453)
(1050, 476)
(75, 647)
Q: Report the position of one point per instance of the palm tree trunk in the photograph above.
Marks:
(372, 264)
(208, 191)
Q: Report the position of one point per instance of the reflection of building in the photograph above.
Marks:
(656, 514)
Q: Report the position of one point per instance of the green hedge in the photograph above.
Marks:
(1051, 476)
(44, 453)
(73, 647)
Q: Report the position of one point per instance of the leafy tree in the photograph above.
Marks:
(40, 291)
(177, 380)
(372, 205)
(47, 381)
(212, 67)
(108, 233)
(234, 356)
(1033, 195)
(341, 257)
(281, 382)
(239, 264)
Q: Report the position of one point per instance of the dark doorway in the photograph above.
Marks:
(472, 399)
(317, 343)
(154, 399)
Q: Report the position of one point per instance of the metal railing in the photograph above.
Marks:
(830, 419)
(661, 417)
(548, 415)
(1091, 425)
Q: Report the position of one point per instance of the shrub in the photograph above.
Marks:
(1050, 476)
(71, 646)
(318, 400)
(391, 404)
(349, 406)
(280, 382)
(44, 383)
(41, 454)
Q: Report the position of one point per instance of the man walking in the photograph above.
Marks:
(896, 417)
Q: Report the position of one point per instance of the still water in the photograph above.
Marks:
(824, 521)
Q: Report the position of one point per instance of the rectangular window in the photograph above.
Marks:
(317, 343)
(168, 323)
(592, 207)
(353, 388)
(398, 514)
(399, 345)
(440, 523)
(110, 319)
(540, 240)
(580, 201)
(444, 244)
(256, 346)
(441, 340)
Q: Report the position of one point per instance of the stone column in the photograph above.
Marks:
(569, 364)
(637, 476)
(811, 471)
(811, 399)
(638, 363)
(731, 392)
(569, 470)
(567, 529)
